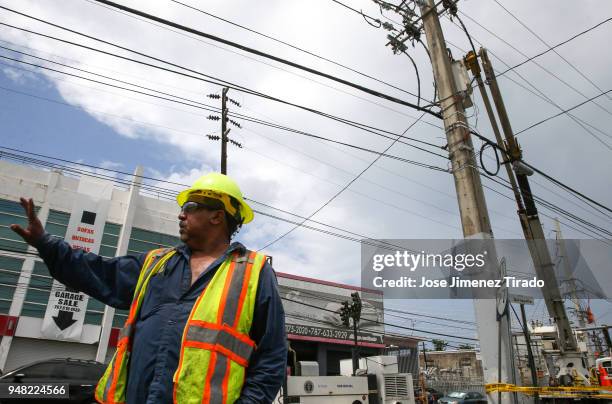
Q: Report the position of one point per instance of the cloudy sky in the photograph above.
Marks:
(54, 114)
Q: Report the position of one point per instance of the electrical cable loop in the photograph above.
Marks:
(374, 20)
(497, 163)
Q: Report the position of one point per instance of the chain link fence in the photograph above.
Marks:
(448, 383)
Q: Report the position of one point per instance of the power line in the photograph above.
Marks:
(366, 329)
(170, 195)
(384, 323)
(390, 156)
(568, 188)
(551, 207)
(360, 12)
(536, 63)
(375, 183)
(291, 46)
(552, 48)
(343, 188)
(581, 206)
(541, 213)
(387, 312)
(564, 112)
(541, 200)
(542, 96)
(267, 55)
(548, 177)
(274, 66)
(220, 82)
(431, 316)
(189, 103)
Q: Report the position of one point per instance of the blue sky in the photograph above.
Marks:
(392, 199)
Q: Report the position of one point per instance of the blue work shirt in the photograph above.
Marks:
(164, 313)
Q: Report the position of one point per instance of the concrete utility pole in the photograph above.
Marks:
(497, 363)
(224, 130)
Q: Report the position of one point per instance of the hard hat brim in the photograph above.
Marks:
(245, 210)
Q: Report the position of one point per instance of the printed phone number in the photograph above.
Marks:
(316, 332)
(34, 390)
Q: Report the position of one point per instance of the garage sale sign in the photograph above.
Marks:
(66, 308)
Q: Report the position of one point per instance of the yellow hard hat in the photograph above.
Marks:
(220, 187)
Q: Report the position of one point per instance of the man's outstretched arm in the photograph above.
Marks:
(111, 281)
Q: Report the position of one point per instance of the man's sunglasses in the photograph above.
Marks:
(191, 207)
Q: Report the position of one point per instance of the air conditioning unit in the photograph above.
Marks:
(387, 386)
(327, 390)
(396, 389)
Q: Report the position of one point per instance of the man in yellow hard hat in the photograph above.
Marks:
(206, 323)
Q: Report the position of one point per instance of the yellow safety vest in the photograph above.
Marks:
(216, 346)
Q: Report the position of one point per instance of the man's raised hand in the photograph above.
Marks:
(35, 229)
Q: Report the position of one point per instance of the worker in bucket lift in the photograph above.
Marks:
(206, 323)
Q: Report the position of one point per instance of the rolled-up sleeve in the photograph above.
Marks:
(266, 370)
(109, 280)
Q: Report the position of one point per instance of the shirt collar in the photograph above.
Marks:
(185, 251)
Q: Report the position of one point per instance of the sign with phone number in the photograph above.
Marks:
(34, 390)
(319, 332)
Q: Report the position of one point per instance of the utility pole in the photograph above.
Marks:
(224, 130)
(532, 366)
(352, 311)
(472, 206)
(534, 235)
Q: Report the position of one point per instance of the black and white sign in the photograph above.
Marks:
(66, 309)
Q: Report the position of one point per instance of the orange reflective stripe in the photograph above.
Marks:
(228, 281)
(115, 375)
(180, 364)
(148, 266)
(217, 348)
(209, 374)
(242, 337)
(225, 381)
(245, 286)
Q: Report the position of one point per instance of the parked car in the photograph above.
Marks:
(463, 397)
(80, 375)
(432, 395)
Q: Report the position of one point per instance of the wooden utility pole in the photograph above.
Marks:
(570, 359)
(472, 206)
(224, 130)
(530, 221)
